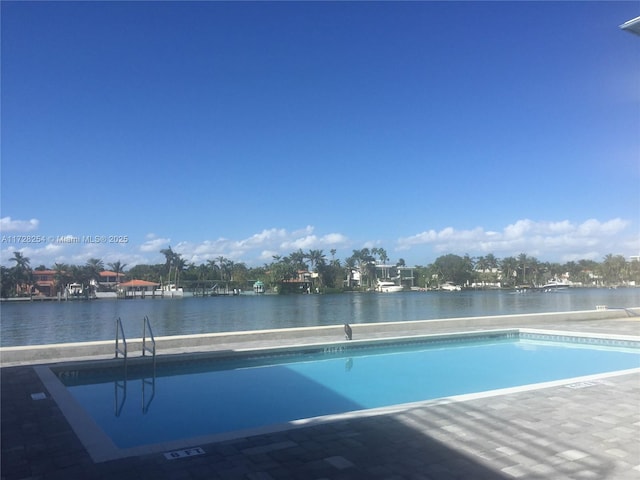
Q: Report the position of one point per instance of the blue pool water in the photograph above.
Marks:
(193, 399)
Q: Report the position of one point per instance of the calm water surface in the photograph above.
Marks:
(34, 323)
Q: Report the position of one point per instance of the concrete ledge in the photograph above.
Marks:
(292, 336)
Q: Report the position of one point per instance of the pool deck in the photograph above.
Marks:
(569, 431)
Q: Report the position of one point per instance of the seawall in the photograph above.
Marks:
(34, 354)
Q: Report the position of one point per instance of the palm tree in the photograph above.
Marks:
(492, 261)
(171, 259)
(117, 268)
(222, 265)
(536, 269)
(481, 268)
(203, 271)
(22, 262)
(316, 258)
(230, 266)
(297, 258)
(211, 264)
(96, 263)
(588, 269)
(382, 255)
(349, 266)
(363, 258)
(239, 272)
(22, 271)
(370, 272)
(570, 267)
(93, 268)
(527, 265)
(613, 267)
(481, 264)
(634, 271)
(80, 274)
(523, 263)
(282, 270)
(7, 282)
(492, 265)
(179, 265)
(168, 255)
(61, 276)
(509, 266)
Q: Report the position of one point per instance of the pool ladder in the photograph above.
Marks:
(152, 349)
(120, 386)
(120, 331)
(122, 350)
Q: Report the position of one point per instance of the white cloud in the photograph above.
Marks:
(267, 255)
(7, 224)
(266, 237)
(259, 247)
(334, 239)
(73, 253)
(518, 229)
(562, 239)
(306, 241)
(154, 244)
(303, 243)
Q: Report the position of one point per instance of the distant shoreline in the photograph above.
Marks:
(114, 296)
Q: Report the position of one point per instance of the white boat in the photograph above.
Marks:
(74, 290)
(169, 290)
(450, 287)
(388, 287)
(554, 285)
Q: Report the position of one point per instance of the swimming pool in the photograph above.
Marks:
(202, 399)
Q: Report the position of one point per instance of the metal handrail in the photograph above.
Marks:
(145, 349)
(120, 330)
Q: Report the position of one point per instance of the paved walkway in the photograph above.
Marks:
(552, 433)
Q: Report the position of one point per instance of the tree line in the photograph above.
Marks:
(361, 270)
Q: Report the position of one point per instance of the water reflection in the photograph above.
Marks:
(348, 364)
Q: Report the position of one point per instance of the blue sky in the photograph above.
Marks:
(248, 130)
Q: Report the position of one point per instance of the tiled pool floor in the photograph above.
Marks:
(587, 431)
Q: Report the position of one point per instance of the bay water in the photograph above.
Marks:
(37, 323)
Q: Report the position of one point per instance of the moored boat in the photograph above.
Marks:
(170, 290)
(554, 285)
(450, 287)
(388, 287)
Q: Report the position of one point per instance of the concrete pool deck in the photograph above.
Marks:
(589, 430)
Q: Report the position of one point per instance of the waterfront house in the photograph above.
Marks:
(300, 284)
(110, 280)
(44, 282)
(137, 288)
